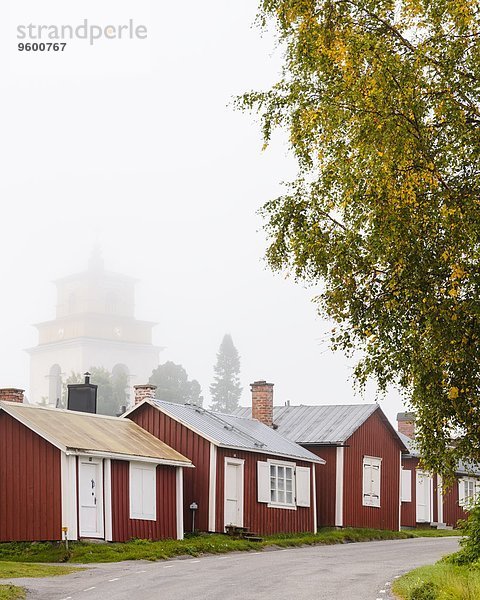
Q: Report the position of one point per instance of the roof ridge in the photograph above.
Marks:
(216, 416)
(62, 410)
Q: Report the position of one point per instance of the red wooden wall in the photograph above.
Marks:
(373, 438)
(124, 528)
(409, 509)
(258, 517)
(30, 485)
(325, 480)
(191, 445)
(452, 511)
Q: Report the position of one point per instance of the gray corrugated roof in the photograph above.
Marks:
(463, 468)
(231, 431)
(410, 444)
(329, 425)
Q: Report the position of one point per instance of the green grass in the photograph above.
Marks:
(439, 582)
(11, 569)
(12, 592)
(82, 552)
(20, 569)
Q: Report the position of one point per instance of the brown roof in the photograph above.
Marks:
(87, 433)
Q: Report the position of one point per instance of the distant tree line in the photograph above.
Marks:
(173, 384)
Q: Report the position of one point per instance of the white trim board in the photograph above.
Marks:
(179, 502)
(68, 476)
(339, 486)
(212, 488)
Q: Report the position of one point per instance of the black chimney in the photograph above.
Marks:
(82, 397)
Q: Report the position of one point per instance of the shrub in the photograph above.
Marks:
(470, 544)
(425, 591)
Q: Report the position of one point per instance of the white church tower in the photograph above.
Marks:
(95, 326)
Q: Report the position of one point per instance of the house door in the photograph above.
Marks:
(91, 498)
(233, 492)
(424, 497)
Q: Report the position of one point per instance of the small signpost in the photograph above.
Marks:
(193, 508)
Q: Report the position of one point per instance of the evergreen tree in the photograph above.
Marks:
(173, 385)
(226, 389)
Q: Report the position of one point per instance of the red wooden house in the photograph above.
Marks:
(360, 484)
(246, 474)
(424, 500)
(86, 476)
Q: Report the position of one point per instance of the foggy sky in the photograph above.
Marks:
(135, 145)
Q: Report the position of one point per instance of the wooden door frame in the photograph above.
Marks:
(425, 474)
(98, 462)
(238, 462)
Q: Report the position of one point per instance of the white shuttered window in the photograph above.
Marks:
(143, 491)
(371, 480)
(468, 490)
(282, 484)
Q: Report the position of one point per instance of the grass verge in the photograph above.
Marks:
(439, 582)
(12, 592)
(14, 569)
(19, 569)
(82, 552)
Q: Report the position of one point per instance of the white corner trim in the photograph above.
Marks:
(400, 494)
(314, 493)
(212, 488)
(69, 495)
(339, 487)
(440, 498)
(179, 502)
(107, 476)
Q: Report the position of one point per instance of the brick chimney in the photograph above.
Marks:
(11, 395)
(262, 402)
(144, 391)
(406, 424)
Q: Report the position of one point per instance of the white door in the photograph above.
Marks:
(234, 493)
(424, 497)
(91, 498)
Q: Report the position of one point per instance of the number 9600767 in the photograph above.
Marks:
(41, 46)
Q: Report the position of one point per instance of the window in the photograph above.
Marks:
(468, 488)
(143, 488)
(283, 484)
(406, 485)
(371, 481)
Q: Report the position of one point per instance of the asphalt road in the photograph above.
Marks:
(361, 571)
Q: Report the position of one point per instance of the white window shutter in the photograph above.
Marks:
(143, 491)
(148, 489)
(375, 485)
(367, 482)
(263, 481)
(303, 486)
(461, 492)
(135, 492)
(406, 485)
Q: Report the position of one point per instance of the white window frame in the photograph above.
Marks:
(373, 461)
(135, 511)
(468, 490)
(287, 465)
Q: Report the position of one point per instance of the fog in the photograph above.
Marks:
(134, 145)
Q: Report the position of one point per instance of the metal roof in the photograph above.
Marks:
(463, 468)
(327, 424)
(410, 444)
(79, 432)
(229, 431)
